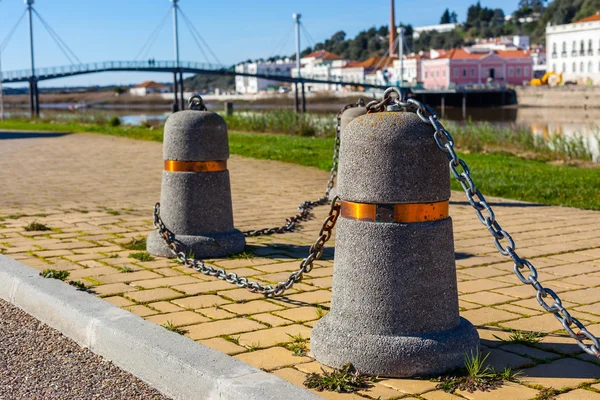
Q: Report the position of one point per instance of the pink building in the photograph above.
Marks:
(462, 67)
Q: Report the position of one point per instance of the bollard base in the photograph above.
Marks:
(334, 344)
(209, 246)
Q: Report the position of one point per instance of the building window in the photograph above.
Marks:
(581, 67)
(574, 67)
(511, 71)
(590, 50)
(564, 68)
(553, 50)
(472, 72)
(554, 68)
(582, 49)
(574, 50)
(518, 71)
(526, 72)
(464, 72)
(590, 67)
(564, 49)
(426, 74)
(456, 73)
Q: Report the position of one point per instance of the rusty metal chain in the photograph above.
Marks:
(290, 223)
(306, 265)
(483, 209)
(306, 207)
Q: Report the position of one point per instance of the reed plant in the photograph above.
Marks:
(282, 121)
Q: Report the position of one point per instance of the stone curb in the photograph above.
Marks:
(171, 363)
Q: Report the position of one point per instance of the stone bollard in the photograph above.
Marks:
(196, 194)
(348, 113)
(394, 307)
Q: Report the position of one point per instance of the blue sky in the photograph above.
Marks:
(102, 30)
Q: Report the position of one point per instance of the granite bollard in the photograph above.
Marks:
(394, 308)
(196, 192)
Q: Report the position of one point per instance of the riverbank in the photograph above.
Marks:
(569, 96)
(497, 172)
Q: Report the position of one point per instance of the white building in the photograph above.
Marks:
(253, 85)
(439, 28)
(149, 87)
(574, 50)
(323, 65)
(411, 69)
(503, 43)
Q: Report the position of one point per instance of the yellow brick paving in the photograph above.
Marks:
(97, 192)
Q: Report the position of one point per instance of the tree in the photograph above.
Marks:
(445, 19)
(453, 17)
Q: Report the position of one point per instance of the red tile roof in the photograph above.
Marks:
(151, 84)
(595, 17)
(323, 55)
(462, 54)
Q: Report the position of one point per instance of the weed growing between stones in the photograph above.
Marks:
(344, 380)
(124, 270)
(115, 255)
(135, 244)
(79, 285)
(476, 375)
(321, 312)
(36, 227)
(169, 326)
(547, 394)
(523, 337)
(298, 345)
(54, 274)
(112, 212)
(142, 256)
(241, 256)
(253, 346)
(232, 339)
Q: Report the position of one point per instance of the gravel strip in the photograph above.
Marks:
(38, 362)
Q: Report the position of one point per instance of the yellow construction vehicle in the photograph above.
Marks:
(549, 78)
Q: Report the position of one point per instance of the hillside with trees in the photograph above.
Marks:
(480, 22)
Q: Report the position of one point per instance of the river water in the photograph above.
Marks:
(568, 122)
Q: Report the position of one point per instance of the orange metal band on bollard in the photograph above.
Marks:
(399, 213)
(195, 166)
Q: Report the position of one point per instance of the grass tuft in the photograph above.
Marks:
(169, 326)
(135, 244)
(142, 256)
(298, 346)
(232, 339)
(79, 285)
(477, 375)
(344, 380)
(241, 256)
(55, 274)
(523, 337)
(253, 346)
(36, 227)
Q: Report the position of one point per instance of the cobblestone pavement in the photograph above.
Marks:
(97, 192)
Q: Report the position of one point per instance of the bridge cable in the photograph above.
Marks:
(282, 43)
(196, 40)
(11, 32)
(58, 40)
(308, 36)
(153, 36)
(201, 38)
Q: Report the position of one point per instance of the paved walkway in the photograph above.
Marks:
(96, 193)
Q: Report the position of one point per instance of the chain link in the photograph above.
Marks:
(306, 265)
(290, 223)
(502, 239)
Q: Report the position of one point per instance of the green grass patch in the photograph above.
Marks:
(79, 285)
(523, 337)
(36, 227)
(515, 165)
(298, 346)
(169, 326)
(55, 274)
(142, 256)
(344, 380)
(135, 244)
